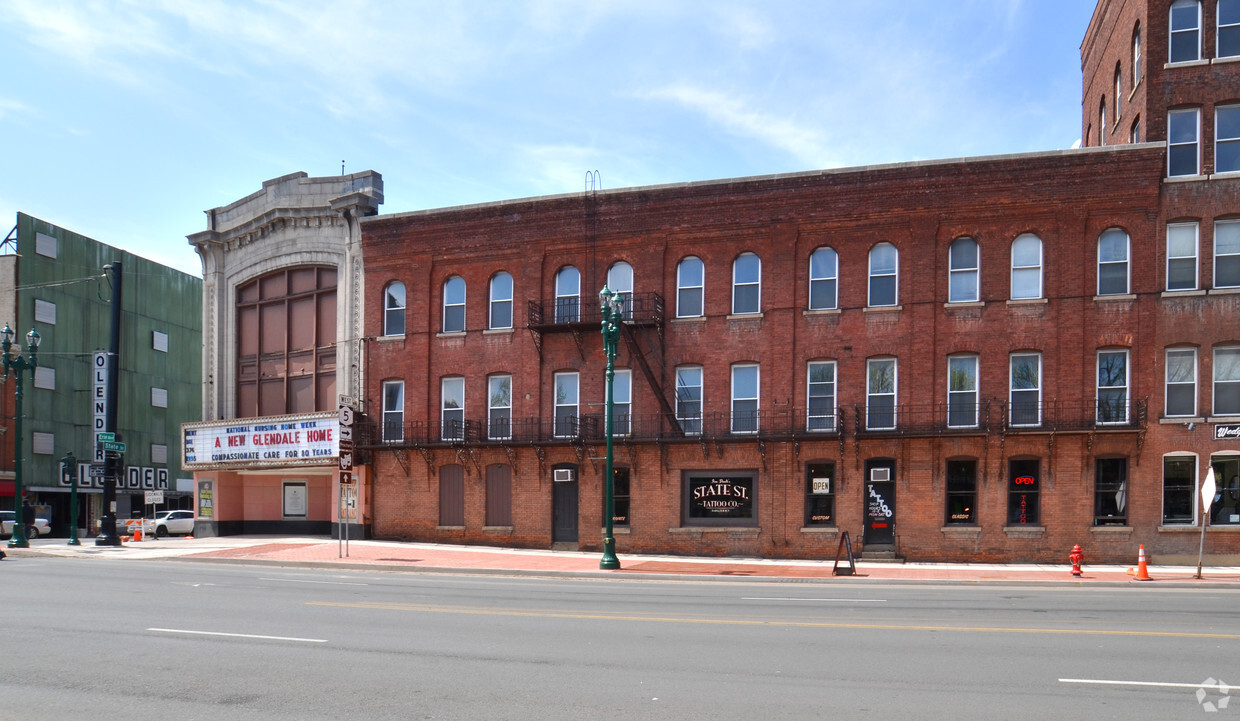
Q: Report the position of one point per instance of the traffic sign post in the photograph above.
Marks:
(114, 447)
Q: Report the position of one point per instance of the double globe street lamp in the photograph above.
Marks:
(612, 307)
(17, 365)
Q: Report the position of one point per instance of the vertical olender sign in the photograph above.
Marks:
(99, 401)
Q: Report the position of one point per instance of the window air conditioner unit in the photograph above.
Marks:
(563, 475)
(878, 475)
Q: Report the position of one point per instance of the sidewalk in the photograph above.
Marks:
(322, 552)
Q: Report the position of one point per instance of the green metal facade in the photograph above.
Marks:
(155, 299)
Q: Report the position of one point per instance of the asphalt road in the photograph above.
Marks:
(153, 640)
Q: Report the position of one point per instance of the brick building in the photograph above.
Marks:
(985, 358)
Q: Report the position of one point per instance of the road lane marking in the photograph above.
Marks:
(238, 635)
(1166, 684)
(300, 580)
(789, 598)
(512, 612)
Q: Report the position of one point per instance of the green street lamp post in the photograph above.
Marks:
(68, 468)
(18, 364)
(612, 307)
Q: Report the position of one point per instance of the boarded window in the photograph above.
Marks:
(452, 496)
(499, 495)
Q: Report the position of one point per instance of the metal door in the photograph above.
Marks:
(564, 511)
(880, 504)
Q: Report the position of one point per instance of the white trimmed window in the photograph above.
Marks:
(565, 405)
(962, 391)
(962, 285)
(824, 266)
(1227, 381)
(393, 410)
(745, 398)
(1026, 267)
(454, 305)
(690, 285)
(1102, 121)
(622, 402)
(1183, 131)
(45, 377)
(1181, 376)
(1227, 139)
(1228, 28)
(501, 301)
(820, 396)
(880, 394)
(1119, 91)
(567, 295)
(1185, 31)
(689, 399)
(1227, 254)
(1113, 247)
(620, 282)
(1112, 387)
(1136, 55)
(884, 272)
(452, 409)
(746, 284)
(159, 397)
(499, 407)
(1181, 256)
(394, 308)
(1025, 399)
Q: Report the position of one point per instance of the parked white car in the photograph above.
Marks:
(174, 522)
(8, 518)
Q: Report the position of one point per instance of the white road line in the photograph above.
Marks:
(841, 600)
(1104, 682)
(330, 583)
(238, 635)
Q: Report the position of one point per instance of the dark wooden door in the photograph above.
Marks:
(564, 512)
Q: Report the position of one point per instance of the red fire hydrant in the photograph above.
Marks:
(1076, 557)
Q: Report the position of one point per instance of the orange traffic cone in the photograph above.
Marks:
(137, 533)
(1143, 573)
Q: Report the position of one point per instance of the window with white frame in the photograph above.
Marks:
(622, 402)
(884, 269)
(962, 391)
(824, 266)
(1185, 31)
(159, 397)
(962, 262)
(1181, 374)
(1102, 121)
(393, 411)
(1112, 386)
(1111, 492)
(1227, 254)
(1025, 393)
(394, 308)
(565, 415)
(820, 396)
(452, 409)
(690, 285)
(620, 281)
(745, 398)
(1228, 28)
(1134, 135)
(44, 311)
(1113, 274)
(1119, 91)
(501, 301)
(1226, 381)
(159, 341)
(1026, 267)
(1227, 139)
(1136, 55)
(1183, 130)
(499, 407)
(1179, 489)
(880, 394)
(1181, 256)
(45, 377)
(746, 284)
(568, 295)
(454, 305)
(689, 399)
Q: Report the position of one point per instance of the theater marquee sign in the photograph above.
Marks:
(309, 439)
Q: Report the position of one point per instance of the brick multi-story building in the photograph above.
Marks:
(983, 358)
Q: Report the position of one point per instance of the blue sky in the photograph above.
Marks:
(123, 120)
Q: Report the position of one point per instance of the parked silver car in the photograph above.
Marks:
(40, 528)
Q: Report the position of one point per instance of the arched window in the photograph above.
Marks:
(620, 281)
(1102, 121)
(824, 279)
(501, 301)
(1119, 90)
(884, 267)
(567, 295)
(1026, 267)
(690, 284)
(454, 305)
(746, 284)
(1136, 55)
(1185, 31)
(1113, 262)
(394, 308)
(963, 261)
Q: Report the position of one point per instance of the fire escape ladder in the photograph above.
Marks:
(635, 350)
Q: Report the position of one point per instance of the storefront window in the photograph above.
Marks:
(723, 498)
(962, 492)
(1111, 492)
(1225, 511)
(820, 494)
(1178, 486)
(1023, 485)
(620, 491)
